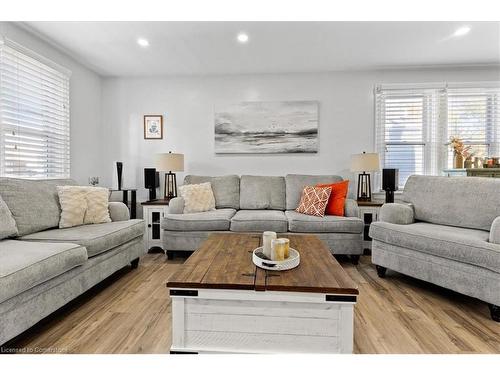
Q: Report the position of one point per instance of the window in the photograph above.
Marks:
(414, 123)
(34, 115)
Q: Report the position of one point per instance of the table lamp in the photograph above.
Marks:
(172, 163)
(365, 162)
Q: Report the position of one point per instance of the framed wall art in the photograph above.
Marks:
(153, 127)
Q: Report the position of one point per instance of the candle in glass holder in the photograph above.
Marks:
(286, 247)
(278, 249)
(267, 237)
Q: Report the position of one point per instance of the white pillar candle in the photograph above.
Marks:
(267, 237)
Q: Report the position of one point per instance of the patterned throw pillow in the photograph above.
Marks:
(83, 205)
(197, 197)
(314, 200)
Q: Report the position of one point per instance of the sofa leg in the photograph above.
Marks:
(135, 263)
(170, 254)
(495, 312)
(381, 271)
(355, 259)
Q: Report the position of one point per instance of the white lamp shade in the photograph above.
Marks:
(365, 162)
(169, 162)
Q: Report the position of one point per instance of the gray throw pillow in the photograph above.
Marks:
(8, 226)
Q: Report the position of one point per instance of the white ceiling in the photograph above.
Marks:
(186, 48)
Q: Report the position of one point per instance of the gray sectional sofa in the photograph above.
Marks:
(257, 204)
(447, 232)
(41, 267)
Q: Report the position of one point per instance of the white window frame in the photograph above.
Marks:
(55, 146)
(435, 122)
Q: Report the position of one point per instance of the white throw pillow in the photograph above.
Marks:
(197, 197)
(97, 206)
(73, 205)
(83, 205)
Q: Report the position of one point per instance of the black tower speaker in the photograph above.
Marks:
(151, 181)
(390, 178)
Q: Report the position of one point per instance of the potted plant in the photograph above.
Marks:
(460, 152)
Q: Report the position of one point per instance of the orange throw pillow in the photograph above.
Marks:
(314, 200)
(337, 198)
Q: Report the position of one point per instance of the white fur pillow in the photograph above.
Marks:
(73, 205)
(197, 197)
(83, 205)
(97, 206)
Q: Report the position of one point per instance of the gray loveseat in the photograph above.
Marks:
(446, 232)
(257, 204)
(43, 268)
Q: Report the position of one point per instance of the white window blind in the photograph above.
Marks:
(413, 124)
(34, 115)
(474, 116)
(407, 130)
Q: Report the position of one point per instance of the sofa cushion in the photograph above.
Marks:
(301, 223)
(295, 184)
(97, 238)
(469, 202)
(34, 203)
(226, 189)
(24, 265)
(199, 221)
(7, 223)
(259, 221)
(460, 244)
(262, 193)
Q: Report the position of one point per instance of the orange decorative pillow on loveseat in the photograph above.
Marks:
(335, 205)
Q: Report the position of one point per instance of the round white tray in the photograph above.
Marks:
(292, 261)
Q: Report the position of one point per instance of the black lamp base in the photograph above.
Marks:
(170, 190)
(364, 187)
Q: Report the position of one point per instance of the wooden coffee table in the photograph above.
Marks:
(222, 302)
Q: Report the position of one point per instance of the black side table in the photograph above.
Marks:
(133, 200)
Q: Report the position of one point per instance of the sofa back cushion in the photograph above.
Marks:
(34, 204)
(8, 226)
(468, 202)
(262, 193)
(226, 189)
(295, 184)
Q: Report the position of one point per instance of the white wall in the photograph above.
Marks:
(85, 105)
(187, 104)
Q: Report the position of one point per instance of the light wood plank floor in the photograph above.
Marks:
(130, 313)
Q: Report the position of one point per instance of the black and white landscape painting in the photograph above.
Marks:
(267, 127)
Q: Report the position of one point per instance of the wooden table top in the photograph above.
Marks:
(224, 261)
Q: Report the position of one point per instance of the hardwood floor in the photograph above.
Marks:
(130, 313)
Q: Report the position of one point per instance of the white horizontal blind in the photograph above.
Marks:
(413, 124)
(34, 116)
(474, 116)
(407, 129)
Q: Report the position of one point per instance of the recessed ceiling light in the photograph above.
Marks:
(143, 42)
(242, 38)
(462, 31)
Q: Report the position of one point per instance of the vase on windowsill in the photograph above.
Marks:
(458, 161)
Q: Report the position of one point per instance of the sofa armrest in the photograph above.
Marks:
(495, 231)
(118, 211)
(351, 208)
(397, 213)
(176, 205)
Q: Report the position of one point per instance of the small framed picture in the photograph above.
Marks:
(153, 127)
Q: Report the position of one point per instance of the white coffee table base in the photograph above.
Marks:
(248, 321)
